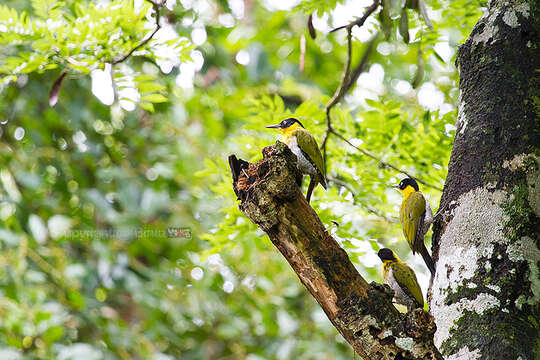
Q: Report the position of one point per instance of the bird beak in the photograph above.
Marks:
(277, 126)
(396, 186)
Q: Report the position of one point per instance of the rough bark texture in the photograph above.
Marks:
(363, 313)
(486, 293)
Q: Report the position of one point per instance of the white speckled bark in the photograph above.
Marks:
(475, 228)
(465, 354)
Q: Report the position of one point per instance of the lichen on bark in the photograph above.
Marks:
(487, 281)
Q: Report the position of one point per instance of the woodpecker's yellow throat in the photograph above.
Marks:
(288, 131)
(304, 146)
(416, 217)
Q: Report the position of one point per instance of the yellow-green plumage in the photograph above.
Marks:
(402, 279)
(304, 146)
(406, 278)
(308, 144)
(410, 213)
(415, 216)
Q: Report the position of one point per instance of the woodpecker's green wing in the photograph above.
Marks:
(309, 146)
(411, 212)
(406, 278)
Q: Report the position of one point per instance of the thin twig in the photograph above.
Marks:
(359, 22)
(157, 7)
(345, 85)
(346, 80)
(367, 208)
(340, 91)
(383, 163)
(361, 65)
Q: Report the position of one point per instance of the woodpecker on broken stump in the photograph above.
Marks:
(304, 146)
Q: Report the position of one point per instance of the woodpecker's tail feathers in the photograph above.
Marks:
(312, 184)
(322, 180)
(428, 260)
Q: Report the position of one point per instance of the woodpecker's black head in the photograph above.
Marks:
(286, 124)
(407, 182)
(386, 254)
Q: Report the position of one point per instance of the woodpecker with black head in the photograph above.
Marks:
(402, 279)
(416, 217)
(304, 146)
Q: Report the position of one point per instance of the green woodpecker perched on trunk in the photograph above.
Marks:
(305, 147)
(402, 279)
(416, 217)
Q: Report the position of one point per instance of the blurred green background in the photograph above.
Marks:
(89, 187)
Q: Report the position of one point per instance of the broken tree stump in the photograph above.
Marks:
(363, 313)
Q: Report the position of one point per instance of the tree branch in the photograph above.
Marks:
(360, 21)
(157, 7)
(363, 313)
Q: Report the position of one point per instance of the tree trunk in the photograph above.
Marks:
(486, 293)
(363, 313)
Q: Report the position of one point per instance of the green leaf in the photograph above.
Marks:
(143, 78)
(155, 98)
(423, 11)
(150, 87)
(147, 106)
(47, 8)
(373, 103)
(419, 75)
(385, 19)
(404, 25)
(438, 57)
(53, 334)
(75, 298)
(426, 121)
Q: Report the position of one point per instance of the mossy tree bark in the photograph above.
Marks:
(363, 313)
(486, 293)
